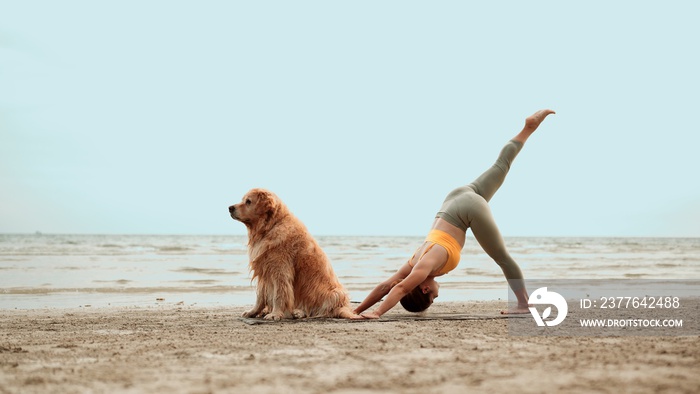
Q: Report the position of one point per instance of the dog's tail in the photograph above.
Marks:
(344, 312)
(342, 305)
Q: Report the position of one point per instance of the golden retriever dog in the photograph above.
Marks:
(294, 277)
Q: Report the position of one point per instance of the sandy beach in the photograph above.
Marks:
(193, 349)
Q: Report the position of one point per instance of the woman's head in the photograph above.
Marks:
(421, 297)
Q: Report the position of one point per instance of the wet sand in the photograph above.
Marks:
(192, 349)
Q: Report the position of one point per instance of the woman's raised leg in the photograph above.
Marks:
(481, 221)
(488, 183)
(491, 180)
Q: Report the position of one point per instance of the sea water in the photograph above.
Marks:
(66, 271)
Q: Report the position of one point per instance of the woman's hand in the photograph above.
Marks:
(370, 315)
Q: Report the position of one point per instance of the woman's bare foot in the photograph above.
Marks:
(519, 310)
(532, 122)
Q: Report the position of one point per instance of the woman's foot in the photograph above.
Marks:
(523, 305)
(532, 122)
(519, 310)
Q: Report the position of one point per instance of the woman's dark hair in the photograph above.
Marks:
(416, 301)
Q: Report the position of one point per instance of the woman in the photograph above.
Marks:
(466, 207)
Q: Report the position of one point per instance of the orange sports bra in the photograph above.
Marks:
(449, 243)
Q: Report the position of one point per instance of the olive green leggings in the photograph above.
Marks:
(467, 207)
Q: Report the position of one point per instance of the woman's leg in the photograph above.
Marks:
(481, 220)
(491, 180)
(489, 237)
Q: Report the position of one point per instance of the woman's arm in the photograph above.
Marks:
(415, 278)
(383, 288)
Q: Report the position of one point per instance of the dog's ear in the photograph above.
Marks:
(267, 203)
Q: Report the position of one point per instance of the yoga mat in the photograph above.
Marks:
(441, 316)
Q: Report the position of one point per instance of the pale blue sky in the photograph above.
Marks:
(154, 116)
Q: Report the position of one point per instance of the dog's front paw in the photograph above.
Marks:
(274, 316)
(298, 314)
(250, 313)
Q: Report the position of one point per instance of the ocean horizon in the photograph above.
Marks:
(95, 270)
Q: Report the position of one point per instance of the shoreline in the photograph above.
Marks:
(185, 348)
(99, 298)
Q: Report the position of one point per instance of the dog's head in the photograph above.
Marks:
(259, 206)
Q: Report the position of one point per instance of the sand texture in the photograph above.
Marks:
(189, 349)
